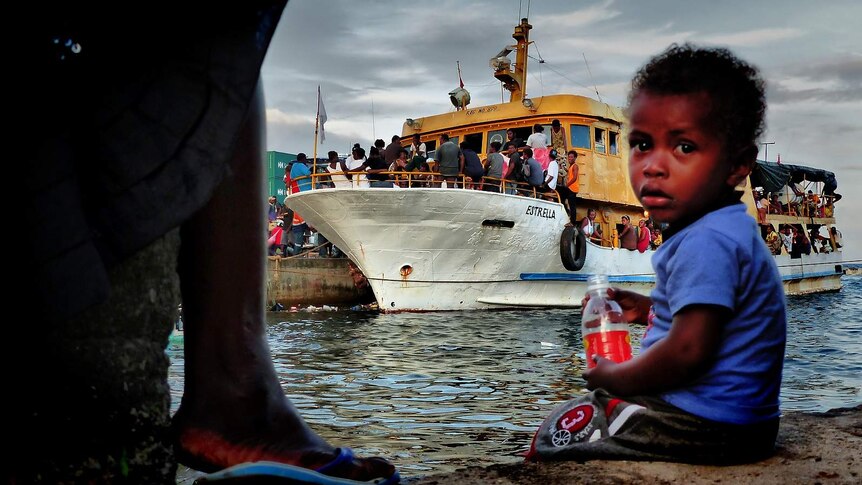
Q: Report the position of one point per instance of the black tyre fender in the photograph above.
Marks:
(573, 248)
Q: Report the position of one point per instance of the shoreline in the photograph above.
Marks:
(811, 448)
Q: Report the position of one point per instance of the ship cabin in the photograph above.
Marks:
(593, 129)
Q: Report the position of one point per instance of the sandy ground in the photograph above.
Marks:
(823, 448)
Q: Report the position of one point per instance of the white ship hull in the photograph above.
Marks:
(810, 274)
(427, 249)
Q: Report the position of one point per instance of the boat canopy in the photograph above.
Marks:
(774, 176)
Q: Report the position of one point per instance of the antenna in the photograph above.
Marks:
(591, 77)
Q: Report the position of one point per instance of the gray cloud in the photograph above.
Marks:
(401, 54)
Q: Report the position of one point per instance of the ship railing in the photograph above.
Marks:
(415, 179)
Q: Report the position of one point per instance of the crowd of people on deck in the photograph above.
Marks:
(793, 239)
(540, 166)
(800, 204)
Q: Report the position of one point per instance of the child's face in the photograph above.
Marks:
(677, 163)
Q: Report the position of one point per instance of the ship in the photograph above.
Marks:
(424, 246)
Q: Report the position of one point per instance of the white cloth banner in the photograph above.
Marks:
(321, 110)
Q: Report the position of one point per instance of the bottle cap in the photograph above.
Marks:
(597, 282)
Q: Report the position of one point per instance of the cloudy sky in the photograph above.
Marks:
(380, 62)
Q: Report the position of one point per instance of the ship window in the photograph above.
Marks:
(474, 140)
(599, 137)
(580, 136)
(496, 135)
(430, 148)
(523, 133)
(612, 142)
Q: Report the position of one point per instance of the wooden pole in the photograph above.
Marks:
(316, 123)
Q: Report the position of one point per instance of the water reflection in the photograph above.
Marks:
(438, 391)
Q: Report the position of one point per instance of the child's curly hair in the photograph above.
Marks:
(735, 87)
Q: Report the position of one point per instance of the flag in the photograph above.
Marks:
(321, 114)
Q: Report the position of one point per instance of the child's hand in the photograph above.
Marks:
(634, 305)
(601, 375)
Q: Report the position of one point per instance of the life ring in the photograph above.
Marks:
(573, 248)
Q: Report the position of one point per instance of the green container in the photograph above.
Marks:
(275, 163)
(275, 186)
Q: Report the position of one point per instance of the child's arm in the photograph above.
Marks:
(684, 354)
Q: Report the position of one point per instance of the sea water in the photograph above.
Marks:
(438, 391)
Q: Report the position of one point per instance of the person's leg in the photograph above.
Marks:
(233, 409)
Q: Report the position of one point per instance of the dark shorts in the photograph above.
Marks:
(602, 426)
(142, 127)
(449, 171)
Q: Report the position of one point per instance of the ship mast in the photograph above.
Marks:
(515, 79)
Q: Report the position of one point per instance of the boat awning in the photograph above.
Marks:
(773, 176)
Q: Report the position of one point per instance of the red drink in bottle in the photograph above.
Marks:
(603, 328)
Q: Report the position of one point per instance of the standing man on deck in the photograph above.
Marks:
(449, 160)
(390, 154)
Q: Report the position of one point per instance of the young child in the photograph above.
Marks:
(706, 383)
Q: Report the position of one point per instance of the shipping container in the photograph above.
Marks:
(275, 186)
(275, 163)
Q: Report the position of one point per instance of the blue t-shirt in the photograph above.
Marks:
(300, 170)
(720, 259)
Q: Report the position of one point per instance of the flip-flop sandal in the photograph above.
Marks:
(274, 472)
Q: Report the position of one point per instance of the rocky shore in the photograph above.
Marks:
(824, 448)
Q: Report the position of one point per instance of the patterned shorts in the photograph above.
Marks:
(602, 426)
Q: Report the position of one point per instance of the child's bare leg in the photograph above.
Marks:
(233, 409)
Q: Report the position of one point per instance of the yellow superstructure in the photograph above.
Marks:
(593, 129)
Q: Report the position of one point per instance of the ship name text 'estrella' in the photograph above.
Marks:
(545, 212)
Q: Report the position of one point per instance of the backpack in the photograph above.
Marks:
(563, 173)
(525, 169)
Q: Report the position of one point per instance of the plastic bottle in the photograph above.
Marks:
(603, 328)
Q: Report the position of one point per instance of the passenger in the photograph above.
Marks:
(588, 224)
(493, 168)
(300, 175)
(804, 243)
(450, 160)
(644, 236)
(836, 236)
(597, 236)
(558, 138)
(569, 191)
(760, 205)
(357, 159)
(549, 184)
(538, 141)
(511, 138)
(828, 208)
(532, 171)
(337, 169)
(400, 165)
(775, 205)
(417, 148)
(656, 238)
(472, 166)
(167, 124)
(375, 168)
(773, 241)
(812, 205)
(706, 383)
(628, 237)
(272, 210)
(787, 238)
(390, 154)
(516, 168)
